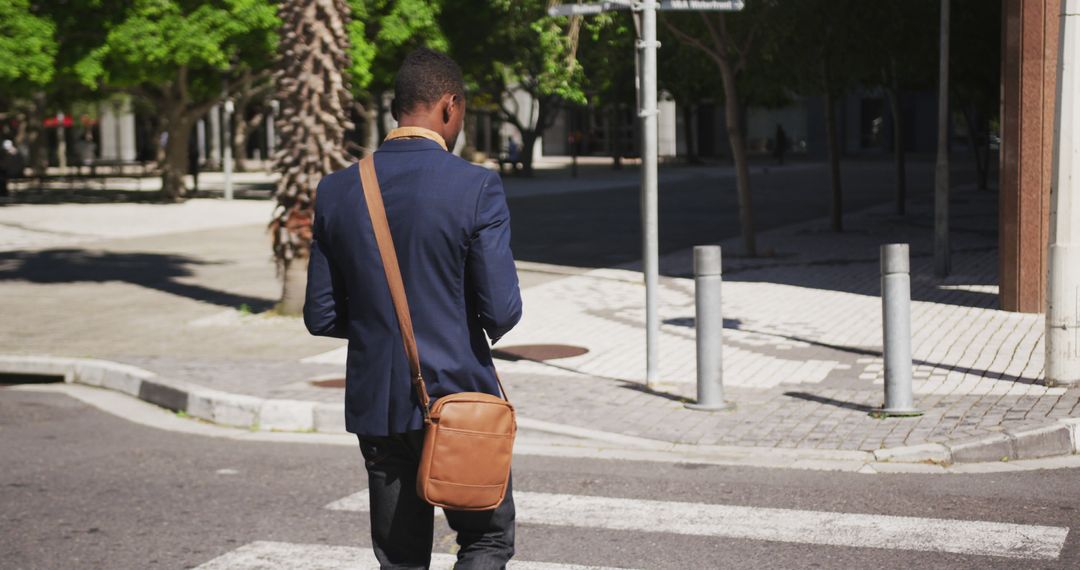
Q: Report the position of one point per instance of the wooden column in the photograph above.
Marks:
(1029, 75)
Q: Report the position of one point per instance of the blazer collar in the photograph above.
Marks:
(416, 132)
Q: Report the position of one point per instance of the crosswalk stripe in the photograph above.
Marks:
(781, 525)
(267, 555)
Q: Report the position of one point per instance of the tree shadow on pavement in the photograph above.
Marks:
(156, 271)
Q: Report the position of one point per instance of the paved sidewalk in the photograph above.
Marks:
(802, 352)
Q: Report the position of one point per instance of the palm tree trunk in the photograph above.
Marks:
(293, 286)
(311, 114)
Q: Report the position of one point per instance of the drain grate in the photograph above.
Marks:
(538, 352)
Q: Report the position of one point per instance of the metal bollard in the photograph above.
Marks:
(709, 323)
(896, 313)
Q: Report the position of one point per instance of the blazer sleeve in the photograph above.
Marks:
(491, 264)
(325, 303)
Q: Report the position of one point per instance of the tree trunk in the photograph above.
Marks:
(982, 162)
(738, 155)
(370, 115)
(615, 137)
(380, 119)
(293, 286)
(38, 137)
(899, 152)
(688, 130)
(175, 162)
(528, 143)
(837, 210)
(241, 128)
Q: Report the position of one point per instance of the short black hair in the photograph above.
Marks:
(424, 77)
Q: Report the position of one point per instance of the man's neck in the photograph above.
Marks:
(413, 131)
(422, 121)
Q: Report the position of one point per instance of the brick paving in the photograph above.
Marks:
(802, 339)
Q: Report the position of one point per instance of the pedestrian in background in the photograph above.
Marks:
(11, 166)
(450, 226)
(193, 163)
(781, 144)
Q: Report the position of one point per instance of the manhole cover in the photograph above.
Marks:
(329, 383)
(538, 352)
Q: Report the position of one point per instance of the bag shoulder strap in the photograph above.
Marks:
(373, 197)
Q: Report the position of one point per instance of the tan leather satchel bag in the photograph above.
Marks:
(469, 436)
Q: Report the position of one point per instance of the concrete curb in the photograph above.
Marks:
(215, 406)
(262, 414)
(1054, 439)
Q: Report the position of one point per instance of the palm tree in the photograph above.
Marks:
(315, 104)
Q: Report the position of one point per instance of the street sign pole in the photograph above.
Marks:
(645, 21)
(649, 226)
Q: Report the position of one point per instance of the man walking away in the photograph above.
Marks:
(451, 229)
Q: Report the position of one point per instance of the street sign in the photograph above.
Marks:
(585, 9)
(702, 5)
(662, 5)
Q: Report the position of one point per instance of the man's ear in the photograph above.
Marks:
(394, 109)
(448, 108)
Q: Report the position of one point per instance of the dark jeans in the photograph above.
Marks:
(402, 523)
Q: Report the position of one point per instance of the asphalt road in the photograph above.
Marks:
(602, 228)
(84, 489)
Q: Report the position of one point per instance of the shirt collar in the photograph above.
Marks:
(403, 132)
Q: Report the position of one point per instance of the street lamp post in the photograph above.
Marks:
(942, 261)
(649, 225)
(1063, 279)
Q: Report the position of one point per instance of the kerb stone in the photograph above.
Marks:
(287, 415)
(993, 448)
(1042, 442)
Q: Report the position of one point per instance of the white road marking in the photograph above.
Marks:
(265, 555)
(781, 525)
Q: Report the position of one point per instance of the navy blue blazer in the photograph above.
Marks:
(451, 230)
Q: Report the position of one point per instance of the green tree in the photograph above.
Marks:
(182, 57)
(690, 77)
(381, 33)
(733, 42)
(28, 50)
(975, 75)
(508, 48)
(610, 88)
(895, 50)
(821, 52)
